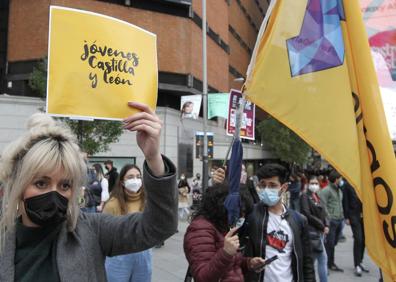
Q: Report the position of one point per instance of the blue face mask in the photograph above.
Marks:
(270, 197)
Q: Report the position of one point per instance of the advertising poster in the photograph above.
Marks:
(190, 106)
(96, 64)
(218, 105)
(248, 117)
(380, 19)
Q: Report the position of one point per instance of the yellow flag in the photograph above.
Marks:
(96, 64)
(312, 70)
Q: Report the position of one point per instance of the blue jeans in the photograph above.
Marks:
(321, 260)
(332, 239)
(89, 209)
(134, 267)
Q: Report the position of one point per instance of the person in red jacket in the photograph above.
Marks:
(211, 248)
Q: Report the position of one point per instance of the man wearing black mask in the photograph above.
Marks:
(111, 174)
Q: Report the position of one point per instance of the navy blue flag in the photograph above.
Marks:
(233, 201)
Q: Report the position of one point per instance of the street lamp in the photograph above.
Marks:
(205, 177)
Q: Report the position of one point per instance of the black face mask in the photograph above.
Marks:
(46, 209)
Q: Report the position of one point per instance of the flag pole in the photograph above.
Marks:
(238, 121)
(205, 177)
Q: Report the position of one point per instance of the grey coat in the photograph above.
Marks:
(81, 253)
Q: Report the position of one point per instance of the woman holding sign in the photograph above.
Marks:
(44, 237)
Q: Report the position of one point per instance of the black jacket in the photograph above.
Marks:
(350, 202)
(256, 225)
(315, 213)
(112, 176)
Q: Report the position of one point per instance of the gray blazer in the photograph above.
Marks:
(81, 253)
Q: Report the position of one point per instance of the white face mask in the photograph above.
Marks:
(133, 184)
(313, 188)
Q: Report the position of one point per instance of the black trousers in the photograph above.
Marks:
(332, 239)
(358, 238)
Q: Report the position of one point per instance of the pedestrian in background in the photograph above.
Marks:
(128, 197)
(111, 174)
(331, 196)
(43, 236)
(294, 191)
(353, 214)
(197, 182)
(104, 186)
(318, 224)
(184, 192)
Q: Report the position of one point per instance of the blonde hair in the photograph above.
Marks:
(47, 146)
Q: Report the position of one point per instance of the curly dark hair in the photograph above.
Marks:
(212, 206)
(271, 170)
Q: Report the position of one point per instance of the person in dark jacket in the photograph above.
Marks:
(251, 187)
(111, 174)
(318, 224)
(273, 229)
(353, 214)
(295, 190)
(211, 248)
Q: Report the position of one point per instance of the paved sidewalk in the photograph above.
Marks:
(170, 265)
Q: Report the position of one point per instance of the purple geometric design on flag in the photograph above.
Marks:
(320, 45)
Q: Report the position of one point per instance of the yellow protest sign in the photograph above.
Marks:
(96, 64)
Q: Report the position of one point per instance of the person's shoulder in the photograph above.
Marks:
(324, 190)
(258, 208)
(304, 196)
(199, 224)
(111, 201)
(111, 205)
(298, 217)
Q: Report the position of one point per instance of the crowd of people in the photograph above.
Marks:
(294, 221)
(63, 219)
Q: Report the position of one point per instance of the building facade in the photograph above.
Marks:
(232, 27)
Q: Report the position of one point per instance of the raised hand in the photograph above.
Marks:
(231, 242)
(218, 176)
(148, 127)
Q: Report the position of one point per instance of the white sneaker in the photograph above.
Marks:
(358, 271)
(364, 268)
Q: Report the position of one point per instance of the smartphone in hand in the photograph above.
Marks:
(266, 262)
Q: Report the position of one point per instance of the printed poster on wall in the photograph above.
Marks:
(96, 64)
(218, 105)
(248, 117)
(190, 106)
(380, 20)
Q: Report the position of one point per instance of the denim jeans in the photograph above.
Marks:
(89, 209)
(134, 267)
(183, 213)
(321, 262)
(332, 239)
